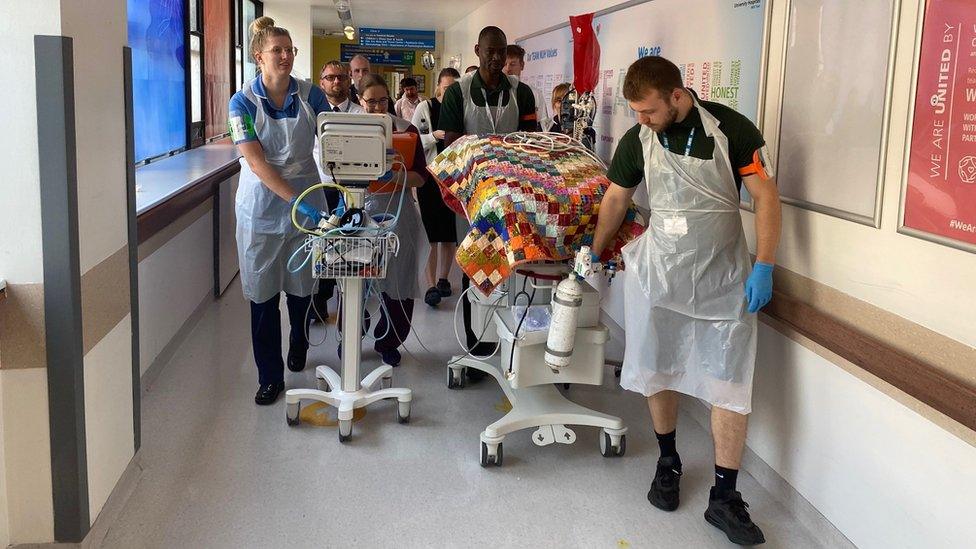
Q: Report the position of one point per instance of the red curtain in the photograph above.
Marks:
(586, 53)
(217, 31)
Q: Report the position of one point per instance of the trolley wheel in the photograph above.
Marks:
(608, 449)
(291, 413)
(403, 412)
(322, 384)
(455, 377)
(386, 382)
(491, 459)
(345, 430)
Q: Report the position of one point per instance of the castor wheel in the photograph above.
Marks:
(345, 430)
(386, 382)
(455, 377)
(491, 458)
(610, 447)
(403, 412)
(322, 384)
(291, 413)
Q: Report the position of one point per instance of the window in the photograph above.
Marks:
(246, 12)
(195, 40)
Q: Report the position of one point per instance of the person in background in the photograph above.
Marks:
(692, 298)
(335, 81)
(514, 65)
(400, 287)
(439, 220)
(558, 93)
(472, 68)
(358, 68)
(272, 122)
(484, 102)
(407, 104)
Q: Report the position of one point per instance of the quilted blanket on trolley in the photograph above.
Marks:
(523, 204)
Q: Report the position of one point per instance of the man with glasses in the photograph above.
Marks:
(358, 68)
(335, 82)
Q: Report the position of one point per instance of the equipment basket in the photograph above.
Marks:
(352, 256)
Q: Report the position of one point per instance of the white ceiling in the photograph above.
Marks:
(437, 15)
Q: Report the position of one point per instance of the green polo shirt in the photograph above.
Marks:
(452, 106)
(627, 166)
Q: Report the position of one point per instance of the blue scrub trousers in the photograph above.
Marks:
(266, 335)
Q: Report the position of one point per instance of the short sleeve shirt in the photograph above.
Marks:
(242, 111)
(745, 140)
(452, 106)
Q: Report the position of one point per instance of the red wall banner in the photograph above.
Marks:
(940, 197)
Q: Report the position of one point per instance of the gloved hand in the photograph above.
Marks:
(387, 177)
(759, 286)
(594, 258)
(308, 210)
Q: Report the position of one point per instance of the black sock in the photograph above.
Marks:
(725, 479)
(666, 443)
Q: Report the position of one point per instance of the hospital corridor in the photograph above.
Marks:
(488, 273)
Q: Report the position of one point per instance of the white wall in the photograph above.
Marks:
(108, 414)
(297, 19)
(882, 473)
(20, 199)
(173, 281)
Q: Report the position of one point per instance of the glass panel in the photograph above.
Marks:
(239, 63)
(193, 6)
(195, 95)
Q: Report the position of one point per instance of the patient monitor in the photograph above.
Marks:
(355, 147)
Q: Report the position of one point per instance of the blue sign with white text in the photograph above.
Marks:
(396, 38)
(378, 56)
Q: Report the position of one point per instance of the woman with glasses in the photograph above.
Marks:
(272, 122)
(400, 286)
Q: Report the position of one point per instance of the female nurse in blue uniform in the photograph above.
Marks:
(272, 122)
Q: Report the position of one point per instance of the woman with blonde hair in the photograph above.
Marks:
(272, 122)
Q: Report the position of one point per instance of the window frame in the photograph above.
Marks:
(194, 129)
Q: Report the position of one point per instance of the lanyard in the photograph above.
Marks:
(498, 108)
(691, 137)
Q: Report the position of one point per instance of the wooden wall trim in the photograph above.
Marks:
(927, 382)
(157, 218)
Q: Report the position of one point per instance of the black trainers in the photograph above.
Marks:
(727, 512)
(444, 287)
(433, 296)
(664, 488)
(268, 393)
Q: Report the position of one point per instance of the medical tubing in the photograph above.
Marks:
(306, 192)
(292, 258)
(511, 356)
(467, 352)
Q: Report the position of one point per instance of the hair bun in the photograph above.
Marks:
(261, 23)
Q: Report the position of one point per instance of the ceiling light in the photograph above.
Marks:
(350, 32)
(342, 5)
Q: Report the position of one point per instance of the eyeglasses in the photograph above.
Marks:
(278, 50)
(334, 77)
(375, 102)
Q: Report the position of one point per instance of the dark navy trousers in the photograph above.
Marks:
(266, 335)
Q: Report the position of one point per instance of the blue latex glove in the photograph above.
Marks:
(387, 177)
(759, 286)
(308, 210)
(594, 258)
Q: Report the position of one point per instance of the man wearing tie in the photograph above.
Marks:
(335, 82)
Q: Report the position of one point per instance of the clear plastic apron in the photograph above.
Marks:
(486, 120)
(266, 237)
(688, 328)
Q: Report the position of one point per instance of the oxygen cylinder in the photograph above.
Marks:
(566, 302)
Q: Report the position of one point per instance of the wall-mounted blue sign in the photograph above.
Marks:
(378, 56)
(396, 38)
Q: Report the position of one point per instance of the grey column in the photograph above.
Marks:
(62, 285)
(130, 193)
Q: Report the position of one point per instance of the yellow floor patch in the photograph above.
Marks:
(503, 406)
(622, 544)
(321, 414)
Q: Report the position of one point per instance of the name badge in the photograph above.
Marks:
(676, 226)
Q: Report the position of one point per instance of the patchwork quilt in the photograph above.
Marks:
(523, 205)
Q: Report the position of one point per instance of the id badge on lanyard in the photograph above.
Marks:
(677, 225)
(498, 109)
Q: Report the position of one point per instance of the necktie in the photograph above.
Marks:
(336, 109)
